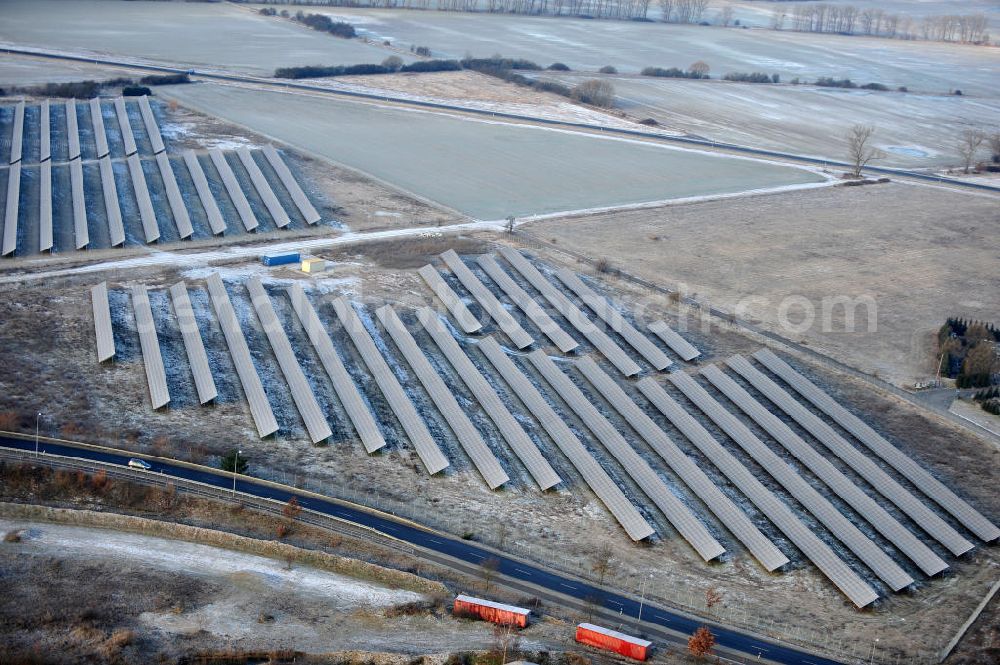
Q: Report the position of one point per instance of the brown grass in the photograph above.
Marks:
(12, 536)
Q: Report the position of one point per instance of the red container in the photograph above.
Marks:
(487, 610)
(612, 640)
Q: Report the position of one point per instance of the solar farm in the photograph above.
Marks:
(509, 362)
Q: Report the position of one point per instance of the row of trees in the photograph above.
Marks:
(850, 20)
(969, 352)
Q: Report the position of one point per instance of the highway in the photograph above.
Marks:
(654, 618)
(686, 140)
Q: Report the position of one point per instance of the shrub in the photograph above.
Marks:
(596, 92)
(607, 69)
(902, 88)
(672, 72)
(12, 536)
(165, 79)
(136, 91)
(747, 77)
(324, 23)
(874, 86)
(420, 50)
(558, 67)
(827, 82)
(432, 66)
(268, 11)
(775, 78)
(233, 461)
(316, 71)
(650, 122)
(498, 63)
(393, 63)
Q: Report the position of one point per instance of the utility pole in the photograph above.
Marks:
(642, 598)
(236, 464)
(37, 418)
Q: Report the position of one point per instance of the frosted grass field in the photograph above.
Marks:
(202, 35)
(485, 169)
(27, 71)
(914, 130)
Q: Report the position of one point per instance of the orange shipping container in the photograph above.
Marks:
(487, 610)
(612, 640)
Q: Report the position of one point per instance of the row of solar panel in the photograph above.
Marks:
(147, 214)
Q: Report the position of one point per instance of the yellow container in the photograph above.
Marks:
(313, 265)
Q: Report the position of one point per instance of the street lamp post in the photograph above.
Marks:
(642, 597)
(236, 464)
(37, 417)
(871, 660)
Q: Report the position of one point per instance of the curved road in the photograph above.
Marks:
(455, 548)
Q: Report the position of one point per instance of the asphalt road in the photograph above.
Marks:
(455, 548)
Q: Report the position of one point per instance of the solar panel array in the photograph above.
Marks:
(125, 125)
(45, 206)
(236, 194)
(156, 375)
(672, 338)
(80, 232)
(193, 344)
(100, 135)
(509, 428)
(150, 226)
(920, 477)
(288, 180)
(72, 130)
(11, 209)
(44, 134)
(116, 228)
(177, 208)
(102, 322)
(465, 432)
(278, 214)
(466, 321)
(211, 207)
(152, 129)
(17, 134)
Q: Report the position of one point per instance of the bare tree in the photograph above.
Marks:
(994, 143)
(860, 148)
(506, 641)
(602, 561)
(969, 144)
(726, 16)
(595, 92)
(700, 67)
(489, 568)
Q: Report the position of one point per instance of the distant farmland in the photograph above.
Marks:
(487, 170)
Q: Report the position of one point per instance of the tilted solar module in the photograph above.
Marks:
(593, 474)
(641, 473)
(822, 556)
(116, 229)
(236, 194)
(17, 134)
(968, 516)
(263, 188)
(686, 469)
(863, 465)
(427, 449)
(126, 126)
(571, 313)
(208, 202)
(506, 423)
(193, 344)
(603, 308)
(466, 433)
(156, 375)
(100, 135)
(152, 129)
(678, 344)
(302, 392)
(841, 485)
(487, 300)
(288, 180)
(72, 129)
(445, 294)
(81, 234)
(535, 312)
(12, 209)
(260, 408)
(820, 507)
(174, 198)
(150, 227)
(45, 206)
(44, 132)
(102, 322)
(355, 406)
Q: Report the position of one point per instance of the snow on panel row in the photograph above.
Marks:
(17, 134)
(466, 433)
(569, 311)
(174, 198)
(510, 429)
(12, 209)
(920, 477)
(822, 556)
(193, 344)
(100, 136)
(72, 129)
(260, 408)
(45, 206)
(596, 477)
(821, 508)
(152, 129)
(603, 308)
(81, 234)
(531, 309)
(841, 485)
(150, 227)
(445, 294)
(678, 344)
(686, 469)
(260, 183)
(102, 322)
(116, 229)
(487, 300)
(126, 126)
(208, 201)
(864, 466)
(682, 519)
(427, 449)
(236, 194)
(302, 393)
(361, 417)
(45, 133)
(156, 376)
(288, 180)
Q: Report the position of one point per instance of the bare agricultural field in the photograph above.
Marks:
(202, 35)
(913, 130)
(630, 46)
(922, 253)
(759, 14)
(17, 70)
(483, 168)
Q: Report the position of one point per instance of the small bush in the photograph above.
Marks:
(136, 91)
(827, 82)
(420, 50)
(12, 536)
(595, 92)
(324, 23)
(672, 72)
(432, 66)
(902, 88)
(497, 63)
(558, 67)
(268, 11)
(607, 69)
(603, 265)
(747, 77)
(649, 122)
(874, 86)
(393, 63)
(165, 79)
